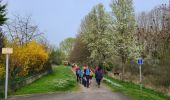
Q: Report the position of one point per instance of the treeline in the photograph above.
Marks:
(119, 37)
(31, 50)
(61, 54)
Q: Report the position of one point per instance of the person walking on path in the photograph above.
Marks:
(84, 80)
(99, 75)
(77, 73)
(87, 75)
(81, 75)
(91, 76)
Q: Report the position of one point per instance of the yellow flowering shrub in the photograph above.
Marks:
(2, 70)
(28, 58)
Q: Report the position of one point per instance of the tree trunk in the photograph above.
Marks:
(123, 68)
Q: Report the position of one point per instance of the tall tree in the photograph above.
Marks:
(2, 22)
(124, 29)
(80, 53)
(94, 33)
(3, 17)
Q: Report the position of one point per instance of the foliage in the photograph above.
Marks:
(57, 57)
(28, 59)
(94, 33)
(80, 53)
(2, 37)
(3, 19)
(48, 66)
(124, 30)
(108, 66)
(67, 46)
(2, 13)
(2, 70)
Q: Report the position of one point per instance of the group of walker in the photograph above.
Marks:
(85, 74)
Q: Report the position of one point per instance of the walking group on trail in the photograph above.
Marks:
(84, 75)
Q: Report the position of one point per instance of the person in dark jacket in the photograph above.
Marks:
(99, 75)
(77, 73)
(84, 80)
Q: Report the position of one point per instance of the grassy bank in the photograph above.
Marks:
(134, 91)
(62, 79)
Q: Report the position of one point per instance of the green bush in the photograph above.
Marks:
(57, 57)
(108, 66)
(2, 89)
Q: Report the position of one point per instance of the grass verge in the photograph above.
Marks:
(62, 79)
(133, 90)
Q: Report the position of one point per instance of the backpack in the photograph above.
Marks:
(78, 71)
(87, 71)
(81, 73)
(99, 74)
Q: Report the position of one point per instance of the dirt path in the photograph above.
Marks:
(92, 93)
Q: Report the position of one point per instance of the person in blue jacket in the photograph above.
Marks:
(87, 75)
(81, 75)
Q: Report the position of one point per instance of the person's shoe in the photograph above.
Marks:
(98, 86)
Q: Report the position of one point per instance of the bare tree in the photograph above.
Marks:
(154, 33)
(152, 28)
(21, 29)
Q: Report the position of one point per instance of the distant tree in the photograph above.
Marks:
(80, 53)
(67, 46)
(57, 57)
(2, 13)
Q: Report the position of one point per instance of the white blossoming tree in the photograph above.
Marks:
(124, 39)
(94, 32)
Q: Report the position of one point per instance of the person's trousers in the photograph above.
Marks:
(77, 77)
(84, 81)
(87, 80)
(98, 81)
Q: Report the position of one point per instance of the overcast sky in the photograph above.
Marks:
(60, 19)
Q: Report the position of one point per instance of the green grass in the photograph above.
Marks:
(62, 79)
(133, 90)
